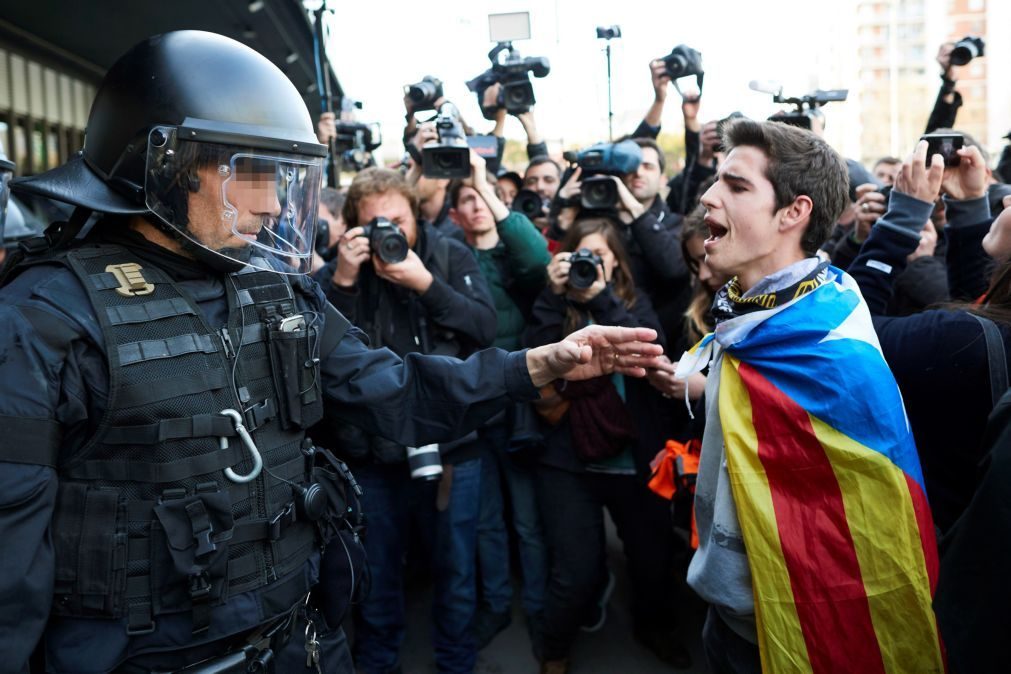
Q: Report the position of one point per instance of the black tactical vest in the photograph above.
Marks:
(148, 521)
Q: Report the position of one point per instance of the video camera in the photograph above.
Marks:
(355, 143)
(424, 94)
(807, 106)
(450, 157)
(683, 61)
(513, 73)
(598, 163)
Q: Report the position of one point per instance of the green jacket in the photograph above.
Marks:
(516, 271)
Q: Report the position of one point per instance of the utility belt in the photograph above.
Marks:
(257, 651)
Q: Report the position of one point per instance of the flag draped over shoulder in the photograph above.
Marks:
(828, 487)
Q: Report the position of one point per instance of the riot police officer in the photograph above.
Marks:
(160, 506)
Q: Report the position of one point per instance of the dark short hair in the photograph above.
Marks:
(542, 159)
(332, 199)
(457, 184)
(373, 181)
(891, 161)
(799, 164)
(650, 143)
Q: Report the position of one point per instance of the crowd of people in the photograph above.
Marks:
(833, 346)
(921, 252)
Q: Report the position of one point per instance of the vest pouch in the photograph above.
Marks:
(189, 548)
(90, 525)
(294, 361)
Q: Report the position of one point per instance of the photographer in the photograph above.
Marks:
(683, 189)
(329, 224)
(434, 301)
(596, 456)
(432, 203)
(512, 256)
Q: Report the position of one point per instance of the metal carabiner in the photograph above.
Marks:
(247, 440)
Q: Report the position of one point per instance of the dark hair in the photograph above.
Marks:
(799, 164)
(332, 199)
(457, 184)
(542, 159)
(650, 143)
(621, 280)
(698, 316)
(372, 181)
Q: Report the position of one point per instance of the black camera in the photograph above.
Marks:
(424, 94)
(807, 107)
(529, 203)
(683, 61)
(600, 162)
(355, 143)
(583, 265)
(945, 144)
(321, 244)
(386, 240)
(966, 50)
(608, 32)
(450, 157)
(513, 73)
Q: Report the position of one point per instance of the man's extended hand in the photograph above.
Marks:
(594, 351)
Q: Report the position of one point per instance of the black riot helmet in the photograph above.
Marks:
(211, 142)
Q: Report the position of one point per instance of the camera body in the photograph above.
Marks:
(529, 203)
(598, 163)
(386, 240)
(450, 157)
(945, 144)
(355, 143)
(425, 93)
(808, 106)
(513, 73)
(583, 266)
(967, 49)
(683, 61)
(608, 32)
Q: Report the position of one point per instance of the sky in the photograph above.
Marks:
(377, 47)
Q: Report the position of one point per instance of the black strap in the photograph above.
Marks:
(996, 358)
(154, 349)
(149, 311)
(170, 471)
(145, 393)
(27, 440)
(198, 426)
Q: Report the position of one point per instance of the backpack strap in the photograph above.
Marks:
(996, 358)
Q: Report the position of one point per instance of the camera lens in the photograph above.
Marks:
(424, 462)
(528, 203)
(598, 192)
(583, 269)
(389, 244)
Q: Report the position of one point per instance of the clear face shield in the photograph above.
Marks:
(250, 206)
(6, 173)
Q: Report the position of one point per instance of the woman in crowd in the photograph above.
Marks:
(940, 357)
(597, 455)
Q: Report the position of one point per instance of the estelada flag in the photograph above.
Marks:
(828, 487)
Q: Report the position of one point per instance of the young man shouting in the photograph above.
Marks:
(816, 548)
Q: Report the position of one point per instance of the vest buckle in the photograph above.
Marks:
(131, 281)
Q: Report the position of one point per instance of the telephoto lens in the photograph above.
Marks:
(424, 462)
(386, 240)
(583, 265)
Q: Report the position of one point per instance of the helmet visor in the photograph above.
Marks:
(5, 194)
(254, 207)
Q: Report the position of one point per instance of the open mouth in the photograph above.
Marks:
(716, 231)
